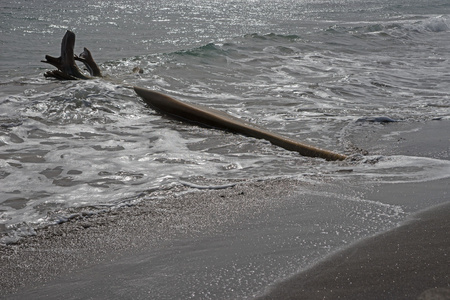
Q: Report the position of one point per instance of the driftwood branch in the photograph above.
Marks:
(86, 58)
(67, 68)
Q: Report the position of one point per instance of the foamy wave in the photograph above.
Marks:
(435, 24)
(398, 29)
(400, 169)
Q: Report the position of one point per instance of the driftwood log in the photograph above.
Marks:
(67, 68)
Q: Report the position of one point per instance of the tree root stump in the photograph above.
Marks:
(67, 68)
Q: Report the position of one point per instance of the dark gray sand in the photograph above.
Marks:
(235, 243)
(408, 262)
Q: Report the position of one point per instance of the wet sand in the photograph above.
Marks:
(408, 262)
(202, 244)
(56, 252)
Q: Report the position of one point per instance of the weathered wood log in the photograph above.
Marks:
(211, 117)
(67, 68)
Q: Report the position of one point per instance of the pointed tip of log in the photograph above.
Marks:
(70, 33)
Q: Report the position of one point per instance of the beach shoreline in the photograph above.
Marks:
(104, 197)
(72, 256)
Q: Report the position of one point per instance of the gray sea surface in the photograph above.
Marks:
(317, 71)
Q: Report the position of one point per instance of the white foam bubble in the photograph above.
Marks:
(400, 169)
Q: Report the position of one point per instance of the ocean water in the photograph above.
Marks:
(316, 71)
